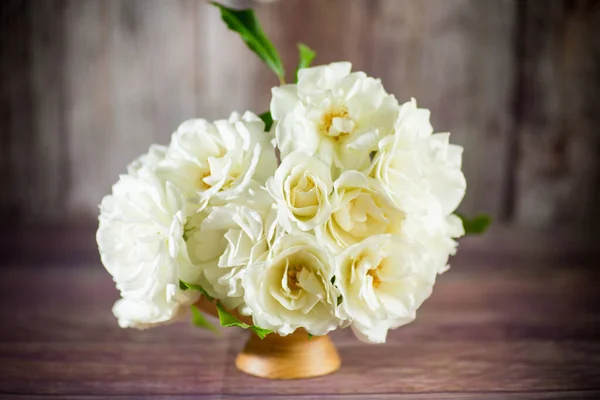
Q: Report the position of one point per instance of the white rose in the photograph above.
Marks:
(421, 172)
(360, 209)
(221, 242)
(292, 288)
(301, 187)
(418, 169)
(219, 160)
(383, 280)
(334, 113)
(155, 155)
(435, 232)
(140, 239)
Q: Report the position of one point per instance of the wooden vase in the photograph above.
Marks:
(296, 356)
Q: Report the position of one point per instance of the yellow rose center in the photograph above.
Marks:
(305, 196)
(202, 184)
(233, 176)
(327, 122)
(373, 274)
(204, 180)
(292, 276)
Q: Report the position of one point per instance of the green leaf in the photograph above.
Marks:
(200, 321)
(267, 119)
(476, 225)
(226, 319)
(186, 286)
(245, 23)
(310, 336)
(306, 56)
(260, 332)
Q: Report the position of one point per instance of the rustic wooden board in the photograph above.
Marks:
(132, 74)
(89, 114)
(523, 330)
(16, 109)
(93, 83)
(456, 58)
(87, 85)
(574, 395)
(558, 167)
(46, 152)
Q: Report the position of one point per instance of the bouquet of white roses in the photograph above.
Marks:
(334, 209)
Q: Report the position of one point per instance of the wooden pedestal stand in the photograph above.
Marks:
(295, 356)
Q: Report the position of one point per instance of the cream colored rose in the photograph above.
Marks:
(418, 169)
(421, 172)
(140, 239)
(219, 161)
(155, 155)
(337, 114)
(383, 281)
(221, 242)
(360, 209)
(301, 187)
(292, 288)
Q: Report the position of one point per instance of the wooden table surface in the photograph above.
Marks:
(494, 328)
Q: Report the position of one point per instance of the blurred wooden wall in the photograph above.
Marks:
(87, 85)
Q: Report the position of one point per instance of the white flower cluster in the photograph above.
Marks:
(350, 229)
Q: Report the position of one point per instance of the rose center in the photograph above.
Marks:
(304, 194)
(212, 173)
(336, 123)
(292, 276)
(231, 178)
(306, 183)
(202, 180)
(373, 273)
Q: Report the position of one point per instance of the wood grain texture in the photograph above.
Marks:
(572, 395)
(47, 152)
(16, 108)
(524, 330)
(132, 80)
(87, 85)
(296, 356)
(101, 80)
(456, 58)
(89, 113)
(559, 140)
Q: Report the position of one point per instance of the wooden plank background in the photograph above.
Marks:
(493, 329)
(87, 85)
